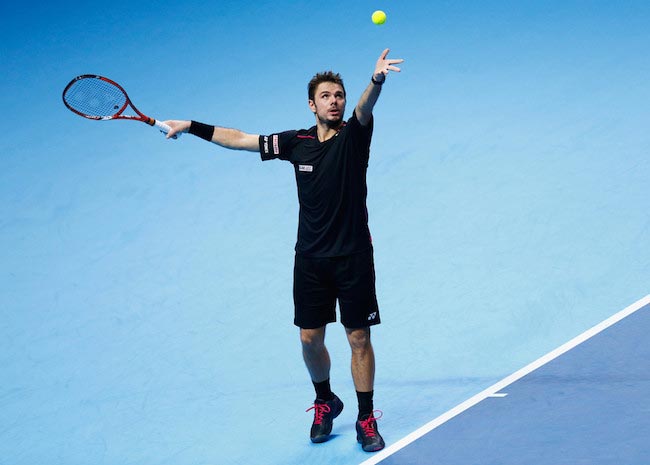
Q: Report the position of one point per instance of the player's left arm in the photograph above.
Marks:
(371, 94)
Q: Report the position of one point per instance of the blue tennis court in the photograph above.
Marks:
(585, 402)
(146, 285)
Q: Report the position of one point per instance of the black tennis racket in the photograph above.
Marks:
(99, 98)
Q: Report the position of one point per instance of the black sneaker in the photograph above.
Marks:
(324, 414)
(367, 434)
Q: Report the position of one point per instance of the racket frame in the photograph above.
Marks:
(118, 114)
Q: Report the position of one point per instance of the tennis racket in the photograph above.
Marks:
(99, 98)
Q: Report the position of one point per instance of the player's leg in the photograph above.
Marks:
(327, 405)
(315, 306)
(363, 374)
(363, 359)
(315, 354)
(359, 311)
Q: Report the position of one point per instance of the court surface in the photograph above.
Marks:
(585, 402)
(146, 285)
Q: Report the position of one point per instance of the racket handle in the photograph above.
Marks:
(165, 129)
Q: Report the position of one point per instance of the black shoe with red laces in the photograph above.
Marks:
(324, 414)
(368, 435)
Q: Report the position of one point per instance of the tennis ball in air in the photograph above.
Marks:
(379, 17)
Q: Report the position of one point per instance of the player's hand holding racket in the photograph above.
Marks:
(99, 98)
(177, 127)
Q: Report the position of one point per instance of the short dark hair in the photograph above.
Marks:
(327, 76)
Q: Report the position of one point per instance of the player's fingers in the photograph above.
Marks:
(172, 132)
(383, 54)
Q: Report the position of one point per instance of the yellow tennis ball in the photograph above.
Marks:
(379, 17)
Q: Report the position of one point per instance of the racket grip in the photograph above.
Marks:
(165, 129)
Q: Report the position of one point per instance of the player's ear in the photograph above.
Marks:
(312, 105)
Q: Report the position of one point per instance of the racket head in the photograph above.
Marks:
(98, 98)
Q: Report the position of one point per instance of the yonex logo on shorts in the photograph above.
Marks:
(306, 168)
(372, 316)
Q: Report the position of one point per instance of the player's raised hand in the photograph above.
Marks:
(384, 65)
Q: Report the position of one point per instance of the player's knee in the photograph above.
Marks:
(359, 339)
(312, 339)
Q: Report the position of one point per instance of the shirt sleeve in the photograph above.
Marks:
(362, 134)
(277, 145)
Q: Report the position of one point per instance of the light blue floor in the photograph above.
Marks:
(145, 284)
(589, 405)
(146, 303)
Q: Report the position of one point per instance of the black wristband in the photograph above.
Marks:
(204, 131)
(377, 83)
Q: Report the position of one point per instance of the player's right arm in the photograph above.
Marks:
(225, 137)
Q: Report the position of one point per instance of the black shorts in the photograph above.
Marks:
(319, 282)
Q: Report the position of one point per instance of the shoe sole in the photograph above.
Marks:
(371, 448)
(375, 448)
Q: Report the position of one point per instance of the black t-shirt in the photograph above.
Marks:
(332, 189)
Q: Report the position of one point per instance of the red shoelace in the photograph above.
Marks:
(319, 411)
(368, 425)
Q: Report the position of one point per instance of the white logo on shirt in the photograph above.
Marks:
(276, 145)
(306, 168)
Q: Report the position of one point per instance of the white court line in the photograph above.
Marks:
(494, 389)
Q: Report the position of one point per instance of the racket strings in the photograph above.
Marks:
(95, 98)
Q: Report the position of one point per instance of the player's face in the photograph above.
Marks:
(329, 103)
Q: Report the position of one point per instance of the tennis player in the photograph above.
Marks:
(334, 253)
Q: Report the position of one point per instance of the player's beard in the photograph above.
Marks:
(332, 123)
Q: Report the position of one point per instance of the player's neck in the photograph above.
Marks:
(327, 131)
